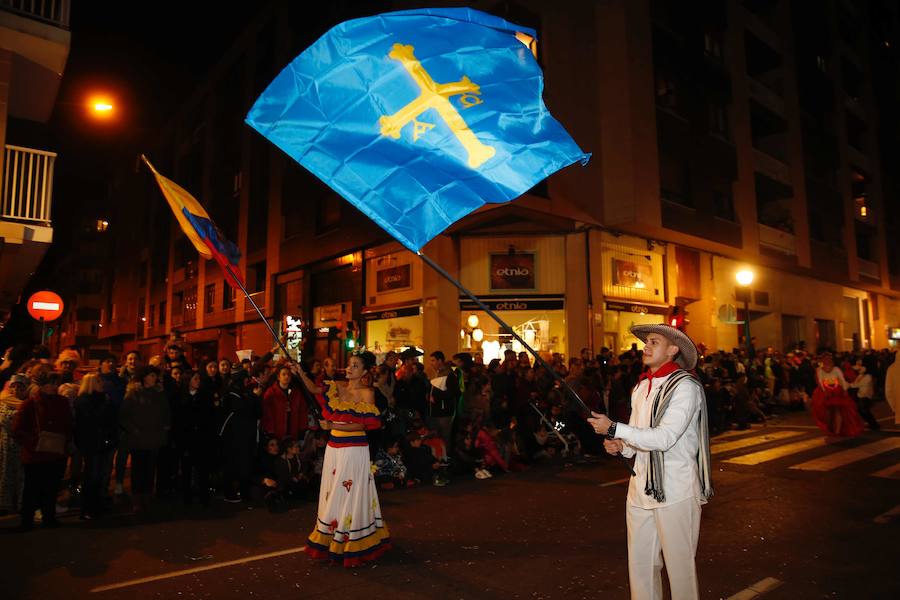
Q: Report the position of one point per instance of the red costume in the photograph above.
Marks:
(831, 394)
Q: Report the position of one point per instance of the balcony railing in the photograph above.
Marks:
(869, 269)
(27, 189)
(55, 12)
(778, 240)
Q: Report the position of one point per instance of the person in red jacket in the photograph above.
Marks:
(47, 411)
(284, 409)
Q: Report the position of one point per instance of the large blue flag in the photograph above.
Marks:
(418, 117)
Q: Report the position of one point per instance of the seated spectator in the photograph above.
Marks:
(292, 482)
(486, 441)
(391, 472)
(266, 480)
(420, 462)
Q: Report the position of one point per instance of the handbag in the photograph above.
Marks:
(50, 442)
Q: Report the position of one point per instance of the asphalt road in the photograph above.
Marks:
(810, 519)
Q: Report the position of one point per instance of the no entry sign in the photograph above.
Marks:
(45, 305)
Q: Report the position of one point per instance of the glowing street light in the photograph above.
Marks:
(744, 277)
(101, 107)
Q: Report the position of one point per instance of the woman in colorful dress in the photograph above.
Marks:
(832, 407)
(349, 528)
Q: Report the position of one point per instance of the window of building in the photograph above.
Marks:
(151, 316)
(177, 308)
(142, 311)
(712, 45)
(718, 120)
(821, 64)
(723, 205)
(228, 295)
(162, 313)
(674, 181)
(256, 277)
(328, 213)
(190, 305)
(209, 298)
(102, 225)
(666, 91)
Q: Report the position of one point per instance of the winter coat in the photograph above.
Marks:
(96, 423)
(277, 420)
(53, 413)
(144, 418)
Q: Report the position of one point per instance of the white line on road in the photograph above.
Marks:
(892, 472)
(616, 482)
(756, 440)
(887, 517)
(229, 563)
(755, 458)
(757, 589)
(845, 457)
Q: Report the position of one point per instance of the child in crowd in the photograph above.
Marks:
(419, 460)
(486, 441)
(291, 481)
(391, 472)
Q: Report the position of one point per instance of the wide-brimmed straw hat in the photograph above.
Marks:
(687, 355)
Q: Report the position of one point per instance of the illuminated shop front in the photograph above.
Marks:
(523, 280)
(540, 321)
(392, 318)
(634, 289)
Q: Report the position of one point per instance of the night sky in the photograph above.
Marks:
(149, 62)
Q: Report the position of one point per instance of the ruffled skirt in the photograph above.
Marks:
(825, 400)
(349, 528)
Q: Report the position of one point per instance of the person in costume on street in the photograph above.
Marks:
(668, 436)
(349, 527)
(832, 407)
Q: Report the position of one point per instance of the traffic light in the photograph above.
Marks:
(676, 317)
(350, 332)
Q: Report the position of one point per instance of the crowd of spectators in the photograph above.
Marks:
(248, 432)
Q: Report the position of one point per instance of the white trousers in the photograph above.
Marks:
(669, 533)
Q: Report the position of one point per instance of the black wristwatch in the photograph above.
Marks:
(611, 432)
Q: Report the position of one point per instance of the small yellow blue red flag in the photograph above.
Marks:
(199, 228)
(418, 117)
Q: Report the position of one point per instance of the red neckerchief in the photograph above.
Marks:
(667, 369)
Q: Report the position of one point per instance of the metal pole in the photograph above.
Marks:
(43, 330)
(747, 325)
(503, 324)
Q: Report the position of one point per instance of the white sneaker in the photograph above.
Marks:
(487, 474)
(480, 474)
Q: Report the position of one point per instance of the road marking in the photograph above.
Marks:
(754, 441)
(229, 563)
(616, 482)
(888, 516)
(757, 589)
(892, 472)
(839, 459)
(755, 458)
(736, 433)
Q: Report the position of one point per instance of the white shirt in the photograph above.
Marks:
(677, 435)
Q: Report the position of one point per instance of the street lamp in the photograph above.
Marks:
(745, 278)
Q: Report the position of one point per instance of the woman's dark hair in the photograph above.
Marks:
(145, 371)
(367, 358)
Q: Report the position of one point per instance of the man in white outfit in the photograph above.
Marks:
(892, 387)
(668, 436)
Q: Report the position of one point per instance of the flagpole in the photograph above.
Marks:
(313, 406)
(503, 324)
